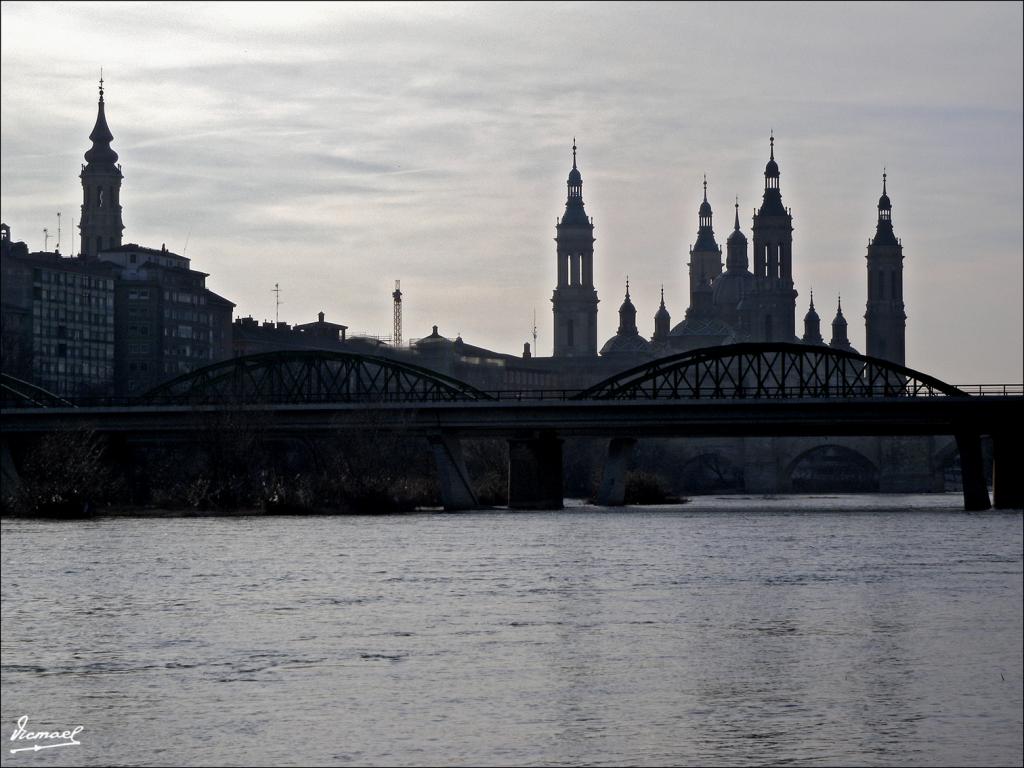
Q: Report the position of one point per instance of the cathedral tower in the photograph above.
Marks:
(774, 302)
(101, 224)
(705, 262)
(885, 320)
(575, 300)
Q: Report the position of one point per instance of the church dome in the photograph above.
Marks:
(705, 208)
(627, 307)
(575, 177)
(625, 344)
(736, 236)
(703, 327)
(731, 286)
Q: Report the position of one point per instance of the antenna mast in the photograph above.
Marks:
(277, 303)
(535, 330)
(396, 339)
(58, 231)
(46, 239)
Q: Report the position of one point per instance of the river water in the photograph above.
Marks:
(828, 630)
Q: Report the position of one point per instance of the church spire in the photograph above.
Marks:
(705, 231)
(101, 153)
(840, 340)
(575, 189)
(662, 321)
(883, 232)
(100, 225)
(812, 325)
(627, 315)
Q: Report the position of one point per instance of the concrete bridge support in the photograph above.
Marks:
(973, 473)
(613, 482)
(10, 481)
(535, 473)
(456, 490)
(1007, 472)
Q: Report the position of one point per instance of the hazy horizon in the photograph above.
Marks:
(336, 148)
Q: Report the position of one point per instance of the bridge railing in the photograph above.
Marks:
(992, 390)
(525, 395)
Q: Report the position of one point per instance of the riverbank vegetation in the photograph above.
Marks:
(236, 465)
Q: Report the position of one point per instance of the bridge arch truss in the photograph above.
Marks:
(312, 376)
(774, 370)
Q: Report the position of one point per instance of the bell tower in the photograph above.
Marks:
(885, 322)
(774, 317)
(574, 301)
(100, 225)
(705, 262)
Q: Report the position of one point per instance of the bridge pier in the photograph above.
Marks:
(1007, 464)
(535, 473)
(456, 490)
(972, 472)
(613, 483)
(10, 481)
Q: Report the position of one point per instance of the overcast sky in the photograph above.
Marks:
(336, 148)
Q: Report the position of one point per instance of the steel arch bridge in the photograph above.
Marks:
(311, 376)
(771, 371)
(15, 393)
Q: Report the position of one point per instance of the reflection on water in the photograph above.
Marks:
(727, 630)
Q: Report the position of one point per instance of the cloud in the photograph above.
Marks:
(334, 148)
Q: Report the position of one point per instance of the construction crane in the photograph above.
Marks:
(396, 339)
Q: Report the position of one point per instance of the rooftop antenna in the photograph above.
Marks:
(46, 239)
(396, 338)
(277, 303)
(535, 328)
(183, 250)
(58, 231)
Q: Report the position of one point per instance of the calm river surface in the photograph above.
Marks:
(822, 630)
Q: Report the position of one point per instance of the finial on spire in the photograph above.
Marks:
(737, 213)
(573, 151)
(883, 180)
(101, 84)
(840, 309)
(771, 140)
(705, 187)
(812, 299)
(663, 294)
(627, 286)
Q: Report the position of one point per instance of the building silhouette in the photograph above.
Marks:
(116, 318)
(57, 318)
(739, 305)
